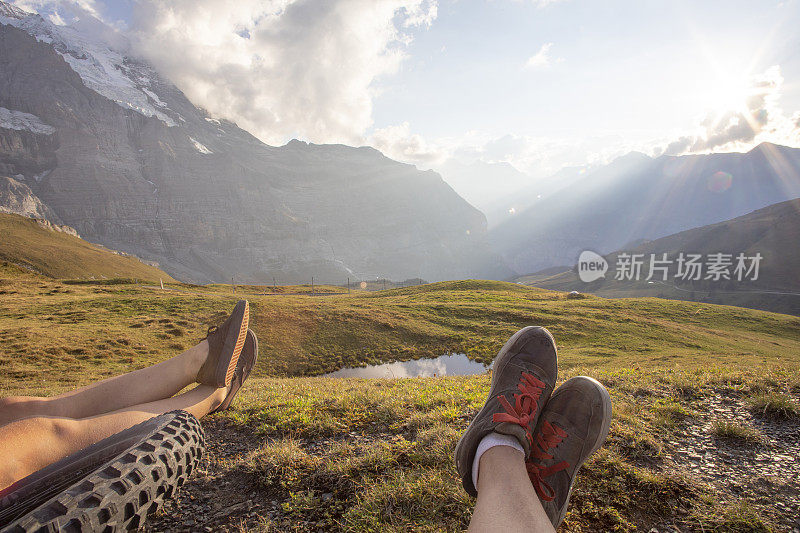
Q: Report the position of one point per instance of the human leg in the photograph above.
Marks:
(138, 387)
(33, 443)
(506, 499)
(520, 458)
(212, 362)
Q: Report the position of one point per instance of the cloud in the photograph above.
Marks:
(540, 59)
(399, 143)
(64, 12)
(281, 68)
(760, 119)
(541, 4)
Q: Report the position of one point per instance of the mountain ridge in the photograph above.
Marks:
(639, 198)
(772, 232)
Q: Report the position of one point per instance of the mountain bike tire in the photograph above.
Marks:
(113, 485)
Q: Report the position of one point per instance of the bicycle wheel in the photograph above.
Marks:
(112, 485)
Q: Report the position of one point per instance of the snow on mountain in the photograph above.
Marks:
(103, 67)
(17, 120)
(200, 147)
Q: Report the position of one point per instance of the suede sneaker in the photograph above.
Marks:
(573, 425)
(247, 360)
(523, 377)
(225, 343)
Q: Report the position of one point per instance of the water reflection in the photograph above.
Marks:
(456, 364)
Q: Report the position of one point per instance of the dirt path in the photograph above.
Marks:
(221, 496)
(766, 473)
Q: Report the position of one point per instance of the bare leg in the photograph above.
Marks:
(33, 443)
(138, 387)
(506, 499)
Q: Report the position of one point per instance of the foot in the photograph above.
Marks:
(225, 343)
(247, 360)
(217, 398)
(573, 425)
(523, 377)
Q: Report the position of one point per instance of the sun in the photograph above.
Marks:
(730, 92)
(726, 83)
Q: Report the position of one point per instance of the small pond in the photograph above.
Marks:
(456, 364)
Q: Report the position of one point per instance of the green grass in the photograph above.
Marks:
(56, 254)
(735, 431)
(671, 412)
(775, 405)
(376, 454)
(45, 325)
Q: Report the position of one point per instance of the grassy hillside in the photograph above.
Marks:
(305, 453)
(773, 232)
(56, 254)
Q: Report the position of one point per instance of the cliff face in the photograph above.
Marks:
(18, 198)
(135, 166)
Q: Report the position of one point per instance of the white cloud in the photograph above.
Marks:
(758, 120)
(281, 68)
(399, 143)
(541, 4)
(540, 59)
(536, 156)
(61, 12)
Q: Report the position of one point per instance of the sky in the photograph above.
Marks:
(538, 84)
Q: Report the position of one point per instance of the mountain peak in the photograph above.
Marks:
(766, 146)
(633, 157)
(12, 11)
(96, 52)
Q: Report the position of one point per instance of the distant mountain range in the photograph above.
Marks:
(101, 141)
(637, 198)
(485, 185)
(501, 191)
(772, 232)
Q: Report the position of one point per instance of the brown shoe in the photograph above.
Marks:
(224, 346)
(573, 425)
(524, 373)
(247, 360)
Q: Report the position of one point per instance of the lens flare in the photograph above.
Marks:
(719, 182)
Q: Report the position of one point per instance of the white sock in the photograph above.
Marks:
(490, 441)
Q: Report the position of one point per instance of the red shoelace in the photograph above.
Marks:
(526, 404)
(548, 437)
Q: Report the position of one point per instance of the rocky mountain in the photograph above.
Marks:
(119, 153)
(18, 198)
(771, 233)
(637, 198)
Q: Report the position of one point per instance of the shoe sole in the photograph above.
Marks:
(505, 354)
(226, 403)
(234, 342)
(507, 351)
(601, 436)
